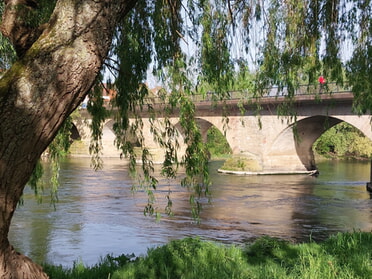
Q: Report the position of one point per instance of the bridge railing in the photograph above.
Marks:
(329, 88)
(244, 95)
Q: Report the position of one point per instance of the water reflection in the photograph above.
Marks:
(98, 214)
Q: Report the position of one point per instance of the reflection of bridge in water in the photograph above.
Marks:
(259, 134)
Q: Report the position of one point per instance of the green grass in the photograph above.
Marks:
(346, 255)
(104, 269)
(241, 163)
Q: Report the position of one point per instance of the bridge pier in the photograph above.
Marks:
(369, 184)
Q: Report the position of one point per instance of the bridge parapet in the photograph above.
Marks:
(271, 93)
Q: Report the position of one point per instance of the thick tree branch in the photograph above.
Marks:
(21, 33)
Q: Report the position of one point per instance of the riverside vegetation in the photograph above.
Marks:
(343, 141)
(345, 255)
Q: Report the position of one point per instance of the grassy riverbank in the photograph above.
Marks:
(346, 255)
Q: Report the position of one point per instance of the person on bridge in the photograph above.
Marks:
(322, 81)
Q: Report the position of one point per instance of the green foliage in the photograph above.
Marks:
(7, 52)
(359, 69)
(216, 64)
(35, 180)
(265, 258)
(195, 160)
(56, 151)
(359, 73)
(149, 28)
(267, 247)
(342, 256)
(362, 147)
(31, 17)
(40, 14)
(343, 141)
(104, 269)
(241, 163)
(98, 111)
(188, 258)
(216, 143)
(243, 79)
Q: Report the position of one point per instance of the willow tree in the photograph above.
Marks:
(54, 51)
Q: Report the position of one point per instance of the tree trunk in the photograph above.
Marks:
(38, 93)
(15, 265)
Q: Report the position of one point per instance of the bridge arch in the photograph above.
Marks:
(298, 138)
(204, 126)
(362, 123)
(81, 131)
(75, 135)
(306, 131)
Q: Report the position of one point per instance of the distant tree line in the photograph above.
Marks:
(344, 141)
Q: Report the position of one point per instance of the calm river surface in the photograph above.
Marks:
(97, 213)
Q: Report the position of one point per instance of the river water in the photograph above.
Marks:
(98, 214)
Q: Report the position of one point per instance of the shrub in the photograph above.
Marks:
(188, 258)
(241, 164)
(343, 140)
(217, 144)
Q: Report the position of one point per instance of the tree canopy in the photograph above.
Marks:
(52, 52)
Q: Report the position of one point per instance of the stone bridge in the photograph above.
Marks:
(277, 144)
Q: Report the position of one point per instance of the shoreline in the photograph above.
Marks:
(313, 172)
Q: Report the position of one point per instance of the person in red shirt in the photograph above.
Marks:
(322, 81)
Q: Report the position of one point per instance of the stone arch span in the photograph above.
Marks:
(292, 147)
(81, 127)
(204, 124)
(306, 131)
(75, 135)
(311, 128)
